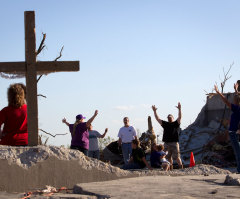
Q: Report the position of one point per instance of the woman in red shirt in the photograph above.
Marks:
(14, 117)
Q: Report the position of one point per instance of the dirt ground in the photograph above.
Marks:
(198, 186)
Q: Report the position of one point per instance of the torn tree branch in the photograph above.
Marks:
(60, 54)
(226, 77)
(42, 46)
(51, 134)
(40, 95)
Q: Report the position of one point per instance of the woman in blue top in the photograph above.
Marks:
(234, 121)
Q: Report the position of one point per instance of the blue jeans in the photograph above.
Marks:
(94, 154)
(131, 165)
(126, 151)
(83, 150)
(236, 147)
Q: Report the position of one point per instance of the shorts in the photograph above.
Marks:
(173, 150)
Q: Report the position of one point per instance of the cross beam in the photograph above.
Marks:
(31, 68)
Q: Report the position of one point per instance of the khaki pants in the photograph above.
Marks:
(173, 150)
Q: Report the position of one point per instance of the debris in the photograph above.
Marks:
(207, 137)
(229, 180)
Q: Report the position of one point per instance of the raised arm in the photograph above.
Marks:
(179, 107)
(156, 115)
(92, 118)
(224, 99)
(65, 121)
(103, 135)
(236, 88)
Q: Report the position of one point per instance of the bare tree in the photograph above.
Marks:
(226, 77)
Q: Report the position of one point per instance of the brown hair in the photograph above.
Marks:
(136, 142)
(160, 147)
(16, 95)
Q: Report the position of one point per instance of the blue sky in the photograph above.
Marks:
(132, 54)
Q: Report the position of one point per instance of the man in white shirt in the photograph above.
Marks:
(126, 134)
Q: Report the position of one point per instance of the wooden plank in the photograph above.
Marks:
(57, 66)
(42, 66)
(31, 77)
(12, 66)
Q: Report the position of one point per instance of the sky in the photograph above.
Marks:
(133, 54)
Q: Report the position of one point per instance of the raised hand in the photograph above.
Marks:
(236, 87)
(96, 112)
(179, 106)
(154, 108)
(106, 130)
(216, 88)
(64, 120)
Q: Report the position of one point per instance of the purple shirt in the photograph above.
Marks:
(81, 137)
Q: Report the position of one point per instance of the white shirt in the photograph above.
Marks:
(127, 134)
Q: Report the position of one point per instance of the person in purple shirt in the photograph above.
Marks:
(79, 132)
(234, 121)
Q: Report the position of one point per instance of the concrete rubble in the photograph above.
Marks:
(207, 137)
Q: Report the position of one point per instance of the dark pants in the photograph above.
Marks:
(236, 147)
(94, 154)
(131, 165)
(85, 151)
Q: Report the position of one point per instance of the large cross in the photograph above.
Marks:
(31, 67)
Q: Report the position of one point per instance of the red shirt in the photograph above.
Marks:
(15, 131)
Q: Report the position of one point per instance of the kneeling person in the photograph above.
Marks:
(137, 159)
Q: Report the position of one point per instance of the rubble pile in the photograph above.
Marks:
(207, 137)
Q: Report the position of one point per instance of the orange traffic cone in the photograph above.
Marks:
(192, 161)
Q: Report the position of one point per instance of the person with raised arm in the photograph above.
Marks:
(171, 135)
(94, 151)
(234, 121)
(79, 132)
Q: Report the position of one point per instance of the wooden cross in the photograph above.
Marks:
(31, 67)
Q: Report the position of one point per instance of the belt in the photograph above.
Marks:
(127, 142)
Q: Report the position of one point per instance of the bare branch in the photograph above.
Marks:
(42, 46)
(206, 92)
(51, 134)
(39, 78)
(40, 95)
(45, 143)
(60, 54)
(226, 77)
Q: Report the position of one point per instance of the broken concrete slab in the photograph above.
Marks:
(210, 125)
(164, 187)
(30, 168)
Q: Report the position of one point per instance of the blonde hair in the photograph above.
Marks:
(75, 126)
(16, 95)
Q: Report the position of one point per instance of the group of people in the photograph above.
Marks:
(84, 138)
(162, 155)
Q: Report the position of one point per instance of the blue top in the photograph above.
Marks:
(235, 117)
(155, 159)
(162, 153)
